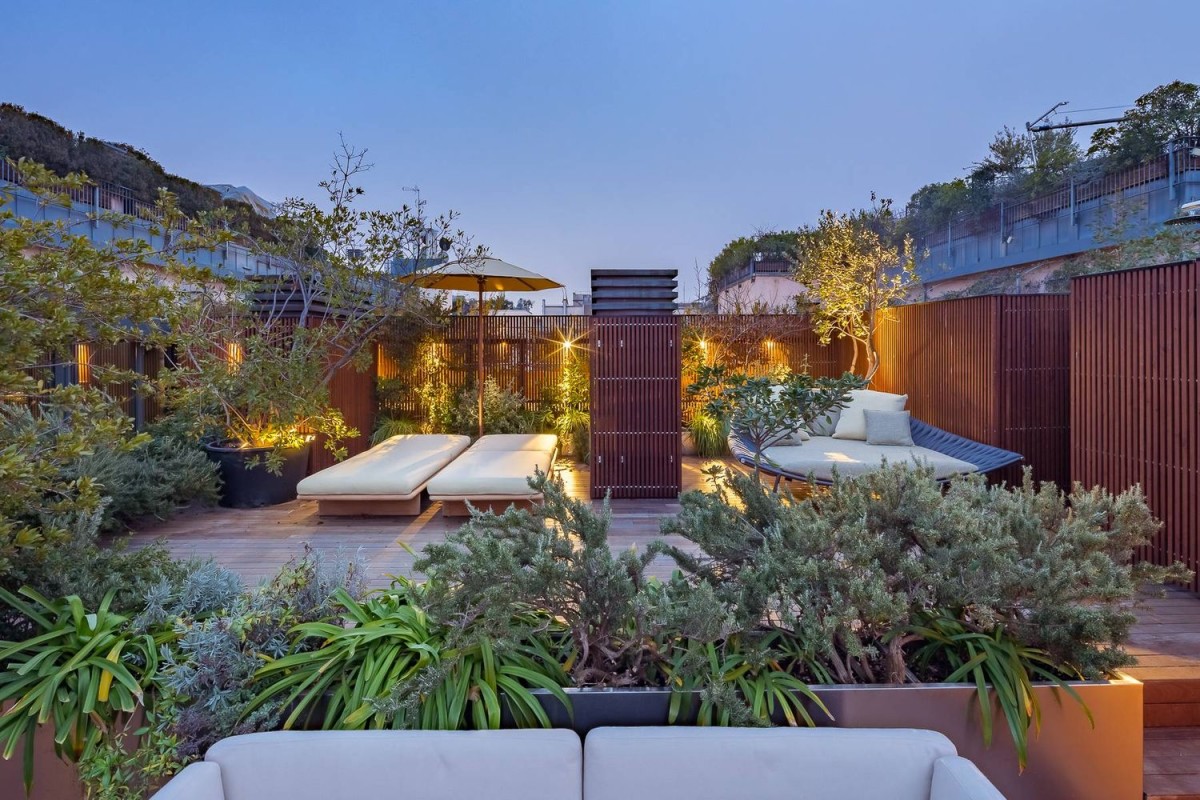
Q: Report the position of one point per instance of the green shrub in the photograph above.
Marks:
(80, 565)
(154, 480)
(709, 435)
(503, 411)
(83, 673)
(853, 574)
(569, 416)
(387, 427)
(394, 667)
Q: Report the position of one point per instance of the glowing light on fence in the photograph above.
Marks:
(233, 354)
(83, 363)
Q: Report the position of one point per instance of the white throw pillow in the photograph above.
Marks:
(852, 424)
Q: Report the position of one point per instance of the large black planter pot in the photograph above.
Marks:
(246, 486)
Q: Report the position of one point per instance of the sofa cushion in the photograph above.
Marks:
(490, 474)
(852, 424)
(892, 428)
(400, 765)
(850, 457)
(397, 467)
(956, 778)
(545, 442)
(825, 424)
(760, 763)
(199, 781)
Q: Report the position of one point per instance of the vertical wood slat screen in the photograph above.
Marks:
(1135, 395)
(994, 369)
(635, 408)
(527, 353)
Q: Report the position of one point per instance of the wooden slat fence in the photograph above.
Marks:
(993, 369)
(528, 353)
(1135, 395)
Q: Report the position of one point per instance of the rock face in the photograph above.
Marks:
(245, 195)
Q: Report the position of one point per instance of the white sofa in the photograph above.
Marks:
(386, 480)
(678, 763)
(613, 764)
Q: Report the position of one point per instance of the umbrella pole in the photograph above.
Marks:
(479, 376)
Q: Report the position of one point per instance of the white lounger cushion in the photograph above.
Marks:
(762, 763)
(397, 468)
(325, 765)
(490, 474)
(517, 441)
(821, 454)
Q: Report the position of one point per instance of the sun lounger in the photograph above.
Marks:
(494, 473)
(385, 480)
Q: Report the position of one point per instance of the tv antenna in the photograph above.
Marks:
(1041, 124)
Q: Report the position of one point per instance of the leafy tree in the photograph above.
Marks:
(1021, 164)
(1169, 113)
(256, 356)
(764, 409)
(59, 289)
(852, 271)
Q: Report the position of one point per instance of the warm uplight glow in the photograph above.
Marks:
(703, 344)
(83, 362)
(233, 354)
(566, 344)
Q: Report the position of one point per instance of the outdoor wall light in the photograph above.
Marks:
(83, 362)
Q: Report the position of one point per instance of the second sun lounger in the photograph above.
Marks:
(494, 473)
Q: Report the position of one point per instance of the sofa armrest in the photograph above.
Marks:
(199, 781)
(957, 778)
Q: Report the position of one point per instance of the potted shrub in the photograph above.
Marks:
(254, 357)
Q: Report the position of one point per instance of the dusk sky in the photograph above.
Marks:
(572, 135)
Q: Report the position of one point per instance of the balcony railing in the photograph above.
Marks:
(101, 198)
(777, 267)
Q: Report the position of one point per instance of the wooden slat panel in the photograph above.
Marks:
(1135, 395)
(635, 390)
(993, 369)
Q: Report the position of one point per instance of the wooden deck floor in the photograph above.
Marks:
(255, 543)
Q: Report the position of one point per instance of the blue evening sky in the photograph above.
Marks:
(580, 135)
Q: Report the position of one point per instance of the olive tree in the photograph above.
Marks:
(853, 269)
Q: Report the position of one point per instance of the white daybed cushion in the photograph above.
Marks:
(704, 763)
(546, 442)
(490, 475)
(821, 454)
(397, 468)
(852, 424)
(356, 765)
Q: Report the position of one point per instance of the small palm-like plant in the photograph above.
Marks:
(84, 673)
(365, 675)
(726, 673)
(996, 660)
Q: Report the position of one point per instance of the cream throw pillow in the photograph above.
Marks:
(852, 424)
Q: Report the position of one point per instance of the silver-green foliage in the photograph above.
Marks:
(503, 411)
(846, 568)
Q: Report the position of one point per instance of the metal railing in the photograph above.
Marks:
(101, 198)
(1001, 217)
(767, 266)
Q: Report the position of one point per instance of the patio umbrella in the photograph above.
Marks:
(482, 275)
